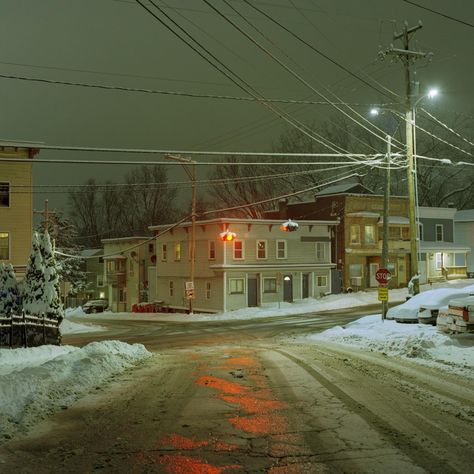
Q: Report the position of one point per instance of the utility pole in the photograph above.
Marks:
(190, 292)
(386, 216)
(45, 213)
(408, 58)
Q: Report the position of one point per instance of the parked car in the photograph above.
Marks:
(444, 320)
(95, 306)
(428, 302)
(460, 315)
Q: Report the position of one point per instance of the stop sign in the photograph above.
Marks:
(382, 275)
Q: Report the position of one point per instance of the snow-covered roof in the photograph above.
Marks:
(124, 239)
(464, 216)
(375, 215)
(356, 188)
(90, 252)
(443, 246)
(397, 220)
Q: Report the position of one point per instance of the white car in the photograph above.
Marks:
(459, 317)
(429, 302)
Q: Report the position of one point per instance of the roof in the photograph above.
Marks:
(236, 220)
(443, 246)
(400, 220)
(117, 256)
(91, 252)
(125, 239)
(347, 188)
(375, 215)
(464, 216)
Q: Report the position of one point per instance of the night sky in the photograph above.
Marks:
(117, 43)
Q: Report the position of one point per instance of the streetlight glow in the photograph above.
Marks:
(432, 93)
(374, 111)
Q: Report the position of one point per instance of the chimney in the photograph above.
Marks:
(283, 209)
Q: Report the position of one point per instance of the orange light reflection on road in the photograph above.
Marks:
(222, 385)
(179, 464)
(182, 442)
(254, 405)
(263, 424)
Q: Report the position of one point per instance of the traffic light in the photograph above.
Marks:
(227, 235)
(289, 226)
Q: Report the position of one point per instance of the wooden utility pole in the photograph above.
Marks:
(408, 58)
(46, 213)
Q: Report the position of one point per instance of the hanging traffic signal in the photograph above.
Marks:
(227, 235)
(289, 226)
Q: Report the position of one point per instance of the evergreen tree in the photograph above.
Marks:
(53, 307)
(33, 288)
(9, 293)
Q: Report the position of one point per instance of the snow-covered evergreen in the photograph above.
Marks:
(9, 292)
(33, 288)
(53, 307)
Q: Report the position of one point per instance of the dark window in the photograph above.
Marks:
(4, 194)
(151, 248)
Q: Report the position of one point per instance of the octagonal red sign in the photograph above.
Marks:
(382, 275)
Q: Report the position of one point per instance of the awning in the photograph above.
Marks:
(115, 257)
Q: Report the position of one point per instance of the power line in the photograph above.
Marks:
(436, 12)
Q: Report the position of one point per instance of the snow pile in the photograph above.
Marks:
(38, 381)
(75, 312)
(68, 327)
(422, 343)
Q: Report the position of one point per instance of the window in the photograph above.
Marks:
(405, 232)
(177, 251)
(122, 295)
(321, 280)
(4, 194)
(369, 234)
(211, 250)
(100, 280)
(392, 268)
(4, 245)
(269, 285)
(420, 231)
(322, 252)
(238, 250)
(236, 286)
(439, 260)
(281, 249)
(394, 233)
(355, 234)
(439, 233)
(261, 249)
(151, 248)
(171, 288)
(208, 290)
(131, 268)
(120, 265)
(164, 252)
(355, 270)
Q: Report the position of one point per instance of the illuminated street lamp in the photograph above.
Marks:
(227, 235)
(289, 226)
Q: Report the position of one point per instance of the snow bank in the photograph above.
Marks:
(36, 382)
(421, 343)
(68, 327)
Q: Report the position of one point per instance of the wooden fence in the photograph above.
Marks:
(28, 331)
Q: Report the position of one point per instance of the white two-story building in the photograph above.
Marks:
(262, 264)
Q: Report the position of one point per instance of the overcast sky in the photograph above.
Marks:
(118, 43)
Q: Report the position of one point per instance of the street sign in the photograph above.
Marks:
(383, 276)
(189, 285)
(190, 294)
(383, 293)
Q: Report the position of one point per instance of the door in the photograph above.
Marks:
(305, 288)
(288, 289)
(252, 291)
(373, 267)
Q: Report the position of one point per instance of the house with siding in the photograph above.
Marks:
(126, 261)
(443, 253)
(464, 233)
(16, 208)
(357, 245)
(262, 265)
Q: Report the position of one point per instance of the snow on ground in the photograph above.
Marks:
(36, 382)
(69, 327)
(421, 343)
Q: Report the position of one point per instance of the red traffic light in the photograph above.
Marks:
(227, 235)
(289, 226)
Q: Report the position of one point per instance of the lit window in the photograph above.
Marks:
(4, 245)
(439, 233)
(261, 249)
(269, 285)
(355, 234)
(281, 249)
(164, 252)
(369, 234)
(236, 286)
(322, 252)
(4, 194)
(177, 251)
(212, 250)
(439, 260)
(238, 249)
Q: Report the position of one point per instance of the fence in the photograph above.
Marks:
(28, 331)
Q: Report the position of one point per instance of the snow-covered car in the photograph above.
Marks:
(95, 306)
(429, 302)
(460, 317)
(444, 320)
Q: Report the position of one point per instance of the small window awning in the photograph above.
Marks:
(115, 257)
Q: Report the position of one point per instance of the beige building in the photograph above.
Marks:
(126, 262)
(261, 265)
(16, 204)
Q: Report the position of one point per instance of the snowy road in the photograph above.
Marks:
(242, 400)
